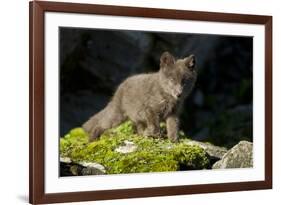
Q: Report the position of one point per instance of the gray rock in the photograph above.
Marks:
(128, 147)
(65, 160)
(212, 150)
(70, 168)
(240, 156)
(92, 168)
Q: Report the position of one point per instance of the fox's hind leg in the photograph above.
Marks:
(95, 133)
(140, 127)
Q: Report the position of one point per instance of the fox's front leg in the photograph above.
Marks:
(172, 123)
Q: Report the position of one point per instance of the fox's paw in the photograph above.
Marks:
(174, 138)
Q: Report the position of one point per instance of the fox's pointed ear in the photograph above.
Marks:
(166, 59)
(190, 62)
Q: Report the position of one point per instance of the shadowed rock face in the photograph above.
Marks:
(94, 62)
(240, 156)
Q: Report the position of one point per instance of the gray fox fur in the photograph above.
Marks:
(148, 99)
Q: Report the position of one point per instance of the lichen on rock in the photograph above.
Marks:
(121, 150)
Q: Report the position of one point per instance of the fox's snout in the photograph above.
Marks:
(177, 91)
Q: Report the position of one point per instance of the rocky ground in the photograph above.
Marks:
(120, 150)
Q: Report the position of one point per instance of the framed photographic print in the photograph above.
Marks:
(139, 102)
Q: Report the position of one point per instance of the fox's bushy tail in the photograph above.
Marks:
(107, 118)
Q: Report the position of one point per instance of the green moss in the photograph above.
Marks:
(152, 154)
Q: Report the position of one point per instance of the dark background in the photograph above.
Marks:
(94, 62)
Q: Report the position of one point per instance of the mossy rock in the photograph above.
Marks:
(150, 155)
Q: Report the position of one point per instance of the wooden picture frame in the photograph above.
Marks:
(37, 10)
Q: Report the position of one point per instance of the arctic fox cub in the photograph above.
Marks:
(148, 99)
